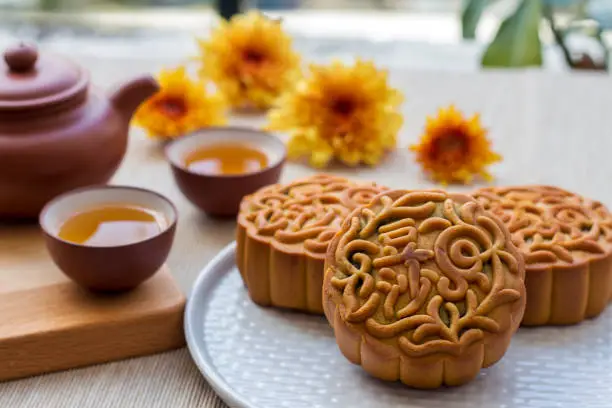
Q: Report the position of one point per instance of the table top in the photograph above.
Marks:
(550, 128)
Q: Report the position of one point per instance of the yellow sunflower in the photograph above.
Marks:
(181, 106)
(348, 113)
(250, 59)
(454, 149)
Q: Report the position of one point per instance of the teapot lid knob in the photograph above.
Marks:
(21, 57)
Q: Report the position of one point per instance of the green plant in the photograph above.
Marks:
(517, 42)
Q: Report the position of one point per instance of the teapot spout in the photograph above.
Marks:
(130, 95)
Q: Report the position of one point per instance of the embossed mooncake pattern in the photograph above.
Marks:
(423, 287)
(566, 240)
(283, 235)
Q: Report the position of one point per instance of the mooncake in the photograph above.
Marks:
(566, 241)
(283, 234)
(424, 287)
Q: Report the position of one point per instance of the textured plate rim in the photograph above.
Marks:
(197, 303)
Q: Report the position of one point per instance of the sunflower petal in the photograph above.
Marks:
(454, 149)
(344, 112)
(180, 106)
(250, 59)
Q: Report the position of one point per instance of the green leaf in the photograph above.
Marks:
(470, 16)
(517, 42)
(50, 5)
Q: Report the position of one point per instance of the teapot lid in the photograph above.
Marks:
(32, 80)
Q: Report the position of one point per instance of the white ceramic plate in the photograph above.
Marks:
(265, 358)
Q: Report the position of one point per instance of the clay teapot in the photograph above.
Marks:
(58, 133)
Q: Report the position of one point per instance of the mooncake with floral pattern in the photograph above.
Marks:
(566, 240)
(424, 287)
(283, 234)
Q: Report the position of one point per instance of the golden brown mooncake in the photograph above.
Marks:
(424, 287)
(283, 234)
(566, 240)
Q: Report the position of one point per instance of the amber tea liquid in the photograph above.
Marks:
(226, 159)
(111, 226)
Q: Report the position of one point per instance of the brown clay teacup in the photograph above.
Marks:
(108, 268)
(220, 194)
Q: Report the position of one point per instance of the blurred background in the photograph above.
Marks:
(413, 34)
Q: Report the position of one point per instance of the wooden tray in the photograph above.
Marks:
(47, 323)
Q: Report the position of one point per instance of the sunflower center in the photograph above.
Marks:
(252, 56)
(450, 148)
(173, 107)
(343, 107)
